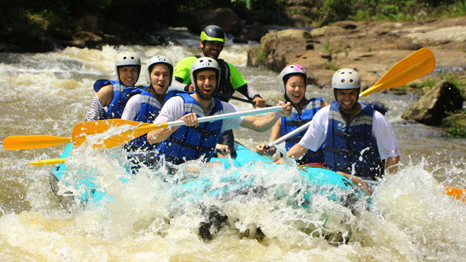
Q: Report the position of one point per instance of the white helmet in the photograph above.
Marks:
(158, 59)
(127, 58)
(294, 69)
(346, 79)
(204, 63)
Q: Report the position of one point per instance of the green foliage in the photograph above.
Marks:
(456, 9)
(428, 82)
(456, 81)
(330, 66)
(143, 13)
(456, 124)
(261, 56)
(342, 48)
(260, 5)
(337, 9)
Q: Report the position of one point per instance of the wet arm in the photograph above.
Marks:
(159, 135)
(275, 133)
(105, 95)
(392, 164)
(297, 151)
(261, 124)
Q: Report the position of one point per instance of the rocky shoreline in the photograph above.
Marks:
(371, 48)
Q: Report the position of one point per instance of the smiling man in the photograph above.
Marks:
(358, 138)
(198, 140)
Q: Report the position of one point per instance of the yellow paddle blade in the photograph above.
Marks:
(134, 130)
(409, 69)
(34, 141)
(47, 162)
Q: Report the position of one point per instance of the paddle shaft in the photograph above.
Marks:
(47, 162)
(216, 117)
(290, 134)
(148, 128)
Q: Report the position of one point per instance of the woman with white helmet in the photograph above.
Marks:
(112, 95)
(145, 104)
(359, 140)
(292, 83)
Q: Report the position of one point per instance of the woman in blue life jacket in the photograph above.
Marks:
(292, 83)
(144, 104)
(112, 95)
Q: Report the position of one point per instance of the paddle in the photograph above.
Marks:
(290, 134)
(410, 68)
(34, 141)
(46, 162)
(82, 130)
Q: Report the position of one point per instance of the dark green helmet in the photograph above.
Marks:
(213, 33)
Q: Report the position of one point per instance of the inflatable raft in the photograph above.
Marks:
(311, 180)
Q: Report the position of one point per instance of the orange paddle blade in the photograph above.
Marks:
(456, 193)
(34, 141)
(132, 130)
(409, 69)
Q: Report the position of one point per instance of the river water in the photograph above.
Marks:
(411, 218)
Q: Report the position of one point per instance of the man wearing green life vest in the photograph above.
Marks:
(212, 40)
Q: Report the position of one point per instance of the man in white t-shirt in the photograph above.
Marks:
(358, 138)
(198, 140)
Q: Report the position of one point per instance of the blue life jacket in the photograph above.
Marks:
(353, 144)
(119, 99)
(294, 121)
(150, 108)
(189, 143)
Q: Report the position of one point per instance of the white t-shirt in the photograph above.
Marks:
(132, 108)
(173, 110)
(381, 128)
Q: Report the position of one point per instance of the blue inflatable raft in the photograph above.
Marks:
(312, 180)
